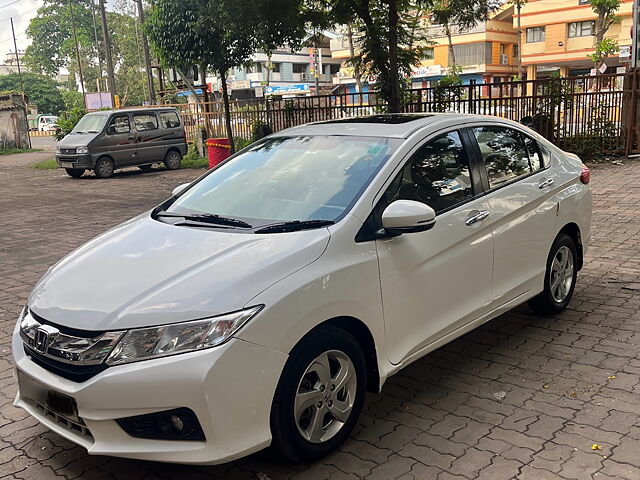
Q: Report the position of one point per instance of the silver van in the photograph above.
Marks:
(105, 140)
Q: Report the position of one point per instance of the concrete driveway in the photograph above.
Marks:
(522, 397)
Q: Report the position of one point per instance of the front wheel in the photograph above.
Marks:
(104, 167)
(172, 160)
(74, 172)
(319, 397)
(559, 279)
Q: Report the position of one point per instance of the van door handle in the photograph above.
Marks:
(475, 217)
(545, 183)
(132, 139)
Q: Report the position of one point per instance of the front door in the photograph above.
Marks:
(120, 143)
(437, 281)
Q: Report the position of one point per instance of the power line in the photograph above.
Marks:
(9, 4)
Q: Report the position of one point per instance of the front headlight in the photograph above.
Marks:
(154, 342)
(82, 150)
(57, 148)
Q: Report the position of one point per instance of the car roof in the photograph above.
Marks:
(132, 110)
(395, 125)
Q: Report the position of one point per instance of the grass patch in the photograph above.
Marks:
(193, 160)
(49, 164)
(13, 151)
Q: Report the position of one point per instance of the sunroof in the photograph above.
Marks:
(391, 119)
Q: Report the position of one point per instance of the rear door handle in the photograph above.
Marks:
(545, 183)
(475, 217)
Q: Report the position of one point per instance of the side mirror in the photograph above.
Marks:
(408, 216)
(179, 189)
(111, 130)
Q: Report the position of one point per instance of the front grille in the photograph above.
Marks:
(68, 151)
(74, 372)
(77, 427)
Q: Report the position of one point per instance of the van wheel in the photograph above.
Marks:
(74, 172)
(172, 160)
(559, 279)
(319, 396)
(104, 167)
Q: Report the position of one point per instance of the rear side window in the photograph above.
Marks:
(504, 153)
(145, 121)
(436, 175)
(536, 160)
(169, 120)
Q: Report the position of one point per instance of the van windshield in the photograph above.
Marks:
(90, 124)
(284, 179)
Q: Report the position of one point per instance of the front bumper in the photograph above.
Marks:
(66, 160)
(230, 389)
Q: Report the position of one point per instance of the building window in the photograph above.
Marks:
(581, 29)
(428, 53)
(334, 68)
(275, 67)
(535, 34)
(300, 68)
(515, 51)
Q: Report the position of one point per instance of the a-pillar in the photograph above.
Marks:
(532, 74)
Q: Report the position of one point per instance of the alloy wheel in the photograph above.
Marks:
(561, 278)
(325, 396)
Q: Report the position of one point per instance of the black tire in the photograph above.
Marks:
(145, 168)
(288, 441)
(173, 160)
(74, 172)
(104, 167)
(553, 298)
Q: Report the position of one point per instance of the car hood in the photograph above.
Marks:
(74, 140)
(145, 272)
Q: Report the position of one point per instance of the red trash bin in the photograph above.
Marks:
(218, 150)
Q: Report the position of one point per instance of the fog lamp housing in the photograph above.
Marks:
(176, 424)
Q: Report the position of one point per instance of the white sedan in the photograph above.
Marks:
(258, 304)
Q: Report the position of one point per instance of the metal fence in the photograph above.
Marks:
(575, 112)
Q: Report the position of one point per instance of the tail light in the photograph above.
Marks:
(585, 175)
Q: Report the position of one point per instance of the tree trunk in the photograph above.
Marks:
(520, 71)
(268, 68)
(452, 53)
(394, 78)
(205, 98)
(352, 54)
(227, 112)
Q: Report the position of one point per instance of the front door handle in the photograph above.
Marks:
(545, 183)
(475, 217)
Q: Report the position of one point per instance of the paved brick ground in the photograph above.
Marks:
(569, 381)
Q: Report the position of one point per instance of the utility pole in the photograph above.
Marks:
(75, 40)
(13, 32)
(316, 66)
(107, 53)
(147, 58)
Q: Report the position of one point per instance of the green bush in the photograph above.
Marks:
(68, 120)
(193, 160)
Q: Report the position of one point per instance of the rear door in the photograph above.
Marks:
(522, 199)
(149, 137)
(437, 281)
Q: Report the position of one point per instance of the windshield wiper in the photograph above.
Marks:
(207, 218)
(294, 226)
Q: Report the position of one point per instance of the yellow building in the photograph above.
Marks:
(557, 35)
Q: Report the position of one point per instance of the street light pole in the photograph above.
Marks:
(107, 52)
(147, 58)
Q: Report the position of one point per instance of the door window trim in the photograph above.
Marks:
(478, 155)
(119, 115)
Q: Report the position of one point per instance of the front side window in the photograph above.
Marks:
(535, 34)
(145, 121)
(119, 124)
(169, 120)
(290, 178)
(581, 29)
(436, 175)
(504, 153)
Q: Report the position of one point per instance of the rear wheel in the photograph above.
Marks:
(559, 279)
(319, 397)
(172, 160)
(74, 172)
(104, 167)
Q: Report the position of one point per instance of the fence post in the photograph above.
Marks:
(471, 108)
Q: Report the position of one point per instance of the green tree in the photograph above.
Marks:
(607, 16)
(39, 89)
(390, 42)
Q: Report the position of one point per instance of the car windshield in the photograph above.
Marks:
(90, 124)
(50, 120)
(290, 178)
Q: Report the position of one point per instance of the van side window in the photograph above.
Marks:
(437, 175)
(145, 121)
(169, 120)
(119, 124)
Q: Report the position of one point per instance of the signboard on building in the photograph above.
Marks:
(625, 52)
(287, 89)
(95, 101)
(427, 71)
(241, 84)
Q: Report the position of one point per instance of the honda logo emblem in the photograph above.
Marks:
(45, 334)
